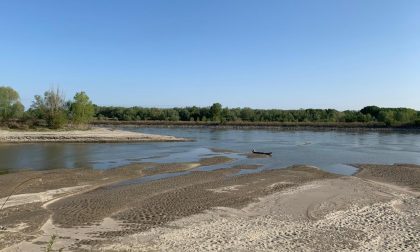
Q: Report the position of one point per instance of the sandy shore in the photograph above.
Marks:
(94, 135)
(300, 208)
(329, 215)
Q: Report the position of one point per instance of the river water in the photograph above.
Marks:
(329, 150)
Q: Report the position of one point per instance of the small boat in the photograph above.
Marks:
(262, 153)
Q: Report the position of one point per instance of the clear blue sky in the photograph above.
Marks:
(342, 54)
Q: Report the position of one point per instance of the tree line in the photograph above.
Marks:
(52, 110)
(219, 114)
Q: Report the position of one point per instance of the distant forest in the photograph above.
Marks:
(219, 114)
(54, 111)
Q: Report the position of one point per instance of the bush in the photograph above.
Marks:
(59, 120)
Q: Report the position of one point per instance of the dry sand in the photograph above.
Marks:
(330, 215)
(29, 198)
(94, 135)
(299, 208)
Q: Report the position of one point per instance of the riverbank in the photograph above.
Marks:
(94, 135)
(284, 209)
(262, 125)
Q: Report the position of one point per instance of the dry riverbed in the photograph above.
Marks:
(299, 208)
(94, 135)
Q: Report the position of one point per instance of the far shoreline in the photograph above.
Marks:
(375, 127)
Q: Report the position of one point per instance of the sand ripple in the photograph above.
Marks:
(374, 223)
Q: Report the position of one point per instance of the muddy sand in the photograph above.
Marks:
(299, 208)
(94, 135)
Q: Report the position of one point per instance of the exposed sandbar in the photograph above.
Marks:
(300, 208)
(406, 175)
(94, 135)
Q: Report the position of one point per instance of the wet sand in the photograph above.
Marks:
(404, 175)
(293, 209)
(94, 135)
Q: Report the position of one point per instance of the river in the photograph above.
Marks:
(329, 150)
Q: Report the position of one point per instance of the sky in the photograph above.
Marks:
(342, 54)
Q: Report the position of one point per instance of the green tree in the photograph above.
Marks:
(247, 114)
(387, 116)
(10, 105)
(172, 115)
(404, 115)
(184, 115)
(81, 109)
(371, 110)
(51, 107)
(216, 112)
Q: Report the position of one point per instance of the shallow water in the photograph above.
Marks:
(329, 150)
